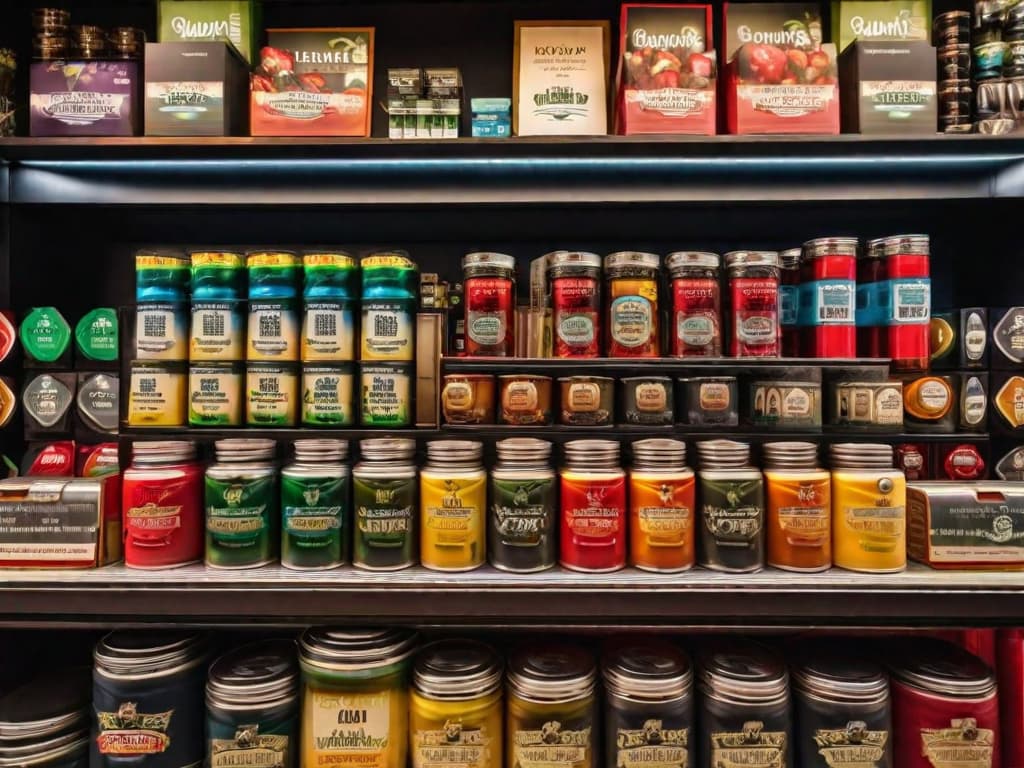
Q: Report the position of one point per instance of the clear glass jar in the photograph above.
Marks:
(575, 286)
(696, 304)
(489, 281)
(754, 303)
(632, 288)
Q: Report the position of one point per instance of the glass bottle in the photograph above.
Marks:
(662, 499)
(575, 285)
(632, 288)
(798, 507)
(522, 536)
(696, 304)
(754, 303)
(731, 492)
(315, 523)
(490, 304)
(789, 301)
(384, 502)
(453, 503)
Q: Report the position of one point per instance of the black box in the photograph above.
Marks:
(1007, 338)
(888, 87)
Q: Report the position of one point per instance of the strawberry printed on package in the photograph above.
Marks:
(667, 69)
(781, 76)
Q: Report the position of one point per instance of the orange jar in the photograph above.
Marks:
(798, 507)
(662, 497)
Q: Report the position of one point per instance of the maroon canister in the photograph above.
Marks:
(1010, 658)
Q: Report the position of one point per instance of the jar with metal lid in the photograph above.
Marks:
(44, 723)
(789, 301)
(242, 504)
(744, 707)
(696, 304)
(453, 500)
(869, 500)
(798, 507)
(662, 499)
(252, 706)
(754, 303)
(455, 706)
(355, 703)
(843, 714)
(731, 493)
(148, 699)
(871, 319)
(315, 520)
(552, 708)
(648, 705)
(575, 287)
(522, 536)
(945, 708)
(490, 304)
(908, 301)
(633, 330)
(828, 288)
(162, 505)
(384, 502)
(593, 494)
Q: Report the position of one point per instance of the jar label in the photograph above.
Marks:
(273, 331)
(975, 337)
(328, 332)
(853, 745)
(453, 520)
(348, 729)
(520, 397)
(271, 397)
(827, 302)
(128, 732)
(387, 331)
(237, 512)
(695, 304)
(576, 304)
(160, 332)
(753, 747)
(911, 301)
(385, 398)
(974, 402)
(652, 747)
(881, 525)
(651, 397)
(156, 398)
(714, 396)
(489, 307)
(522, 511)
(962, 744)
(249, 749)
(457, 396)
(662, 514)
(803, 510)
(216, 332)
(313, 509)
(151, 525)
(584, 397)
(696, 330)
(384, 512)
(632, 321)
(456, 746)
(595, 509)
(755, 303)
(326, 397)
(552, 747)
(214, 397)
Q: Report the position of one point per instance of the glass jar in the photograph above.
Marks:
(355, 701)
(575, 285)
(871, 320)
(489, 281)
(455, 706)
(552, 709)
(789, 300)
(909, 304)
(252, 706)
(593, 493)
(798, 508)
(632, 279)
(696, 304)
(662, 498)
(315, 524)
(384, 500)
(453, 500)
(648, 709)
(869, 500)
(521, 536)
(828, 287)
(162, 503)
(744, 708)
(754, 308)
(731, 492)
(273, 274)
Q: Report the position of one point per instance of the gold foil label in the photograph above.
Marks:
(962, 745)
(454, 746)
(651, 397)
(520, 397)
(584, 397)
(851, 747)
(129, 732)
(714, 396)
(249, 750)
(653, 747)
(551, 747)
(753, 747)
(457, 396)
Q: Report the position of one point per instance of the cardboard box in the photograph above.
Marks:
(888, 87)
(193, 21)
(780, 77)
(320, 84)
(666, 76)
(890, 20)
(195, 89)
(84, 98)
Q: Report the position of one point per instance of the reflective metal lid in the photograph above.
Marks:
(455, 452)
(660, 452)
(632, 259)
(790, 258)
(723, 454)
(523, 449)
(831, 246)
(790, 455)
(592, 453)
(751, 259)
(861, 456)
(683, 259)
(647, 670)
(51, 702)
(838, 674)
(75, 750)
(147, 653)
(482, 258)
(322, 450)
(238, 449)
(457, 669)
(896, 245)
(551, 673)
(573, 258)
(387, 449)
(346, 649)
(742, 671)
(254, 675)
(941, 667)
(163, 451)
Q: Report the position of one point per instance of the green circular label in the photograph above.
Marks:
(96, 335)
(45, 334)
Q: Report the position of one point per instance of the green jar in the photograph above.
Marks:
(315, 521)
(384, 501)
(242, 505)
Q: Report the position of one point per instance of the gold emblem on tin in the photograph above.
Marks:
(962, 745)
(853, 746)
(753, 747)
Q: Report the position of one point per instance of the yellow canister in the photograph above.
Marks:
(453, 504)
(157, 395)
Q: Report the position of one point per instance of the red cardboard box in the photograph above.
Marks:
(780, 77)
(666, 77)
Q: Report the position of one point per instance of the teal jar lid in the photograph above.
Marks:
(273, 274)
(45, 334)
(217, 275)
(96, 335)
(389, 275)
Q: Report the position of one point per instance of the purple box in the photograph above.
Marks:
(84, 98)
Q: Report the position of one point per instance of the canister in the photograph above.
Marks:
(731, 498)
(273, 331)
(587, 401)
(662, 501)
(490, 303)
(217, 332)
(871, 405)
(593, 501)
(524, 399)
(632, 288)
(385, 394)
(827, 304)
(385, 505)
(931, 404)
(215, 395)
(157, 394)
(522, 529)
(252, 706)
(754, 303)
(390, 284)
(272, 395)
(696, 304)
(44, 722)
(355, 702)
(709, 401)
(316, 524)
(786, 404)
(455, 706)
(453, 499)
(329, 297)
(468, 398)
(327, 395)
(907, 300)
(647, 400)
(552, 717)
(648, 705)
(217, 276)
(798, 507)
(575, 287)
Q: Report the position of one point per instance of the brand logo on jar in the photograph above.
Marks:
(751, 746)
(233, 494)
(687, 38)
(807, 494)
(851, 746)
(130, 732)
(652, 734)
(962, 744)
(311, 496)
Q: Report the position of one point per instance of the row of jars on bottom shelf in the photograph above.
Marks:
(380, 697)
(244, 512)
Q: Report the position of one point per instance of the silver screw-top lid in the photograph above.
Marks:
(647, 670)
(523, 450)
(321, 450)
(896, 245)
(346, 649)
(873, 249)
(790, 455)
(941, 667)
(455, 453)
(790, 258)
(751, 259)
(163, 451)
(723, 454)
(592, 454)
(659, 452)
(683, 259)
(861, 456)
(831, 246)
(485, 258)
(138, 655)
(739, 671)
(552, 673)
(573, 258)
(457, 669)
(632, 259)
(243, 449)
(387, 449)
(254, 676)
(838, 675)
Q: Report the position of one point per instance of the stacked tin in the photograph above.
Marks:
(51, 33)
(997, 61)
(953, 40)
(46, 721)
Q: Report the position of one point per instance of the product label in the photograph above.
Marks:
(249, 749)
(387, 331)
(168, 104)
(632, 321)
(650, 397)
(328, 331)
(271, 397)
(974, 403)
(130, 733)
(384, 511)
(962, 745)
(789, 101)
(455, 746)
(802, 508)
(652, 747)
(789, 304)
(755, 304)
(160, 332)
(595, 509)
(576, 306)
(663, 509)
(522, 511)
(975, 337)
(348, 729)
(714, 396)
(50, 530)
(962, 528)
(214, 397)
(237, 512)
(385, 397)
(453, 519)
(156, 398)
(326, 397)
(733, 510)
(854, 746)
(827, 302)
(273, 331)
(695, 304)
(216, 331)
(80, 108)
(584, 397)
(753, 747)
(489, 310)
(911, 301)
(554, 745)
(313, 510)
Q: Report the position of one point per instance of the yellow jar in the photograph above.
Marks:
(869, 509)
(355, 703)
(453, 504)
(455, 712)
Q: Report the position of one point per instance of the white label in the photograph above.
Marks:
(631, 318)
(344, 723)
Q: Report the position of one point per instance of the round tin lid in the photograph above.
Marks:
(660, 451)
(31, 747)
(573, 258)
(751, 259)
(163, 451)
(387, 449)
(47, 399)
(74, 751)
(522, 448)
(831, 246)
(897, 245)
(147, 653)
(796, 455)
(238, 449)
(51, 702)
(742, 671)
(457, 669)
(255, 675)
(944, 668)
(683, 259)
(723, 453)
(833, 675)
(347, 649)
(551, 673)
(632, 259)
(469, 452)
(592, 453)
(861, 455)
(648, 670)
(483, 259)
(321, 450)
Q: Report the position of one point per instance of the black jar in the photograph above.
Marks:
(148, 700)
(45, 722)
(648, 715)
(732, 512)
(744, 711)
(521, 524)
(843, 713)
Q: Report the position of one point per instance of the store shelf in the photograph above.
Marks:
(660, 365)
(287, 434)
(697, 598)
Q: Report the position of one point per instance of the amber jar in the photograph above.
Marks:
(662, 498)
(632, 287)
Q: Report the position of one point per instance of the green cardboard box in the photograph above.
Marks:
(886, 20)
(190, 21)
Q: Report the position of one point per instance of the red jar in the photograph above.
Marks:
(754, 309)
(696, 304)
(871, 314)
(908, 301)
(162, 502)
(828, 298)
(789, 301)
(593, 493)
(944, 706)
(490, 304)
(575, 280)
(1010, 655)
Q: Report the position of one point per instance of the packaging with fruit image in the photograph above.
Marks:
(665, 80)
(781, 77)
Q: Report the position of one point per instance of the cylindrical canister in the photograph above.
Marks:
(521, 527)
(798, 507)
(754, 303)
(385, 506)
(662, 500)
(731, 493)
(575, 285)
(593, 501)
(315, 522)
(828, 288)
(696, 304)
(490, 304)
(907, 298)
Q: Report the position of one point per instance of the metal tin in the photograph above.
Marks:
(798, 507)
(587, 401)
(327, 395)
(662, 506)
(522, 527)
(215, 395)
(385, 505)
(524, 399)
(242, 505)
(468, 398)
(710, 401)
(874, 405)
(930, 404)
(45, 721)
(786, 404)
(647, 400)
(385, 394)
(593, 507)
(453, 506)
(315, 513)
